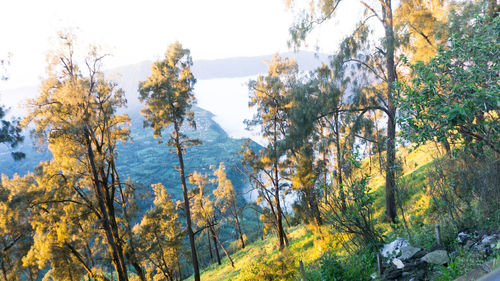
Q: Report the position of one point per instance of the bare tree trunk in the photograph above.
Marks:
(117, 256)
(222, 246)
(239, 231)
(187, 210)
(279, 213)
(279, 216)
(215, 246)
(210, 247)
(340, 183)
(390, 184)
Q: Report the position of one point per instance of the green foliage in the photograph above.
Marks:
(455, 95)
(331, 268)
(159, 236)
(358, 266)
(356, 217)
(458, 266)
(465, 190)
(10, 133)
(280, 268)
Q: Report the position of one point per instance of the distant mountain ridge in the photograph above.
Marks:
(146, 161)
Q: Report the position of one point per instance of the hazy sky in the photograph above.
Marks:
(134, 31)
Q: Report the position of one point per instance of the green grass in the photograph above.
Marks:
(306, 243)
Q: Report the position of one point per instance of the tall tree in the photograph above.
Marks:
(350, 53)
(455, 94)
(159, 237)
(16, 233)
(76, 114)
(204, 212)
(226, 200)
(270, 95)
(168, 96)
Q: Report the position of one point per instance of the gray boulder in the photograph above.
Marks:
(408, 252)
(438, 257)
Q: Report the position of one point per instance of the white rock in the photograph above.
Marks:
(487, 240)
(392, 249)
(398, 263)
(462, 236)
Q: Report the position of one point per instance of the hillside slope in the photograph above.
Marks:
(308, 245)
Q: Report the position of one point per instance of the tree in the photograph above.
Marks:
(204, 212)
(455, 95)
(168, 96)
(304, 181)
(16, 233)
(271, 96)
(10, 133)
(352, 51)
(75, 114)
(420, 26)
(159, 237)
(226, 200)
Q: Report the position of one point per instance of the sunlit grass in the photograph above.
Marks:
(308, 243)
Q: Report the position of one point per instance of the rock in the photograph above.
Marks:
(393, 274)
(408, 252)
(392, 249)
(420, 254)
(488, 240)
(463, 237)
(468, 244)
(438, 257)
(398, 263)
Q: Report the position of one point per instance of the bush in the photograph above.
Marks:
(356, 217)
(465, 190)
(280, 268)
(331, 268)
(358, 266)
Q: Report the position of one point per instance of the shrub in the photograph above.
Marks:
(358, 266)
(356, 217)
(280, 268)
(465, 190)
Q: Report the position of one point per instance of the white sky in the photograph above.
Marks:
(136, 30)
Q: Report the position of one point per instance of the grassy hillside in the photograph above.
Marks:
(309, 245)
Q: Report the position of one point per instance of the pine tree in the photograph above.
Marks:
(270, 95)
(75, 114)
(226, 200)
(168, 96)
(204, 212)
(159, 237)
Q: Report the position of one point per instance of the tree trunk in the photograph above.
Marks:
(390, 184)
(222, 246)
(215, 245)
(279, 214)
(187, 210)
(130, 254)
(116, 255)
(210, 247)
(446, 145)
(239, 231)
(340, 182)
